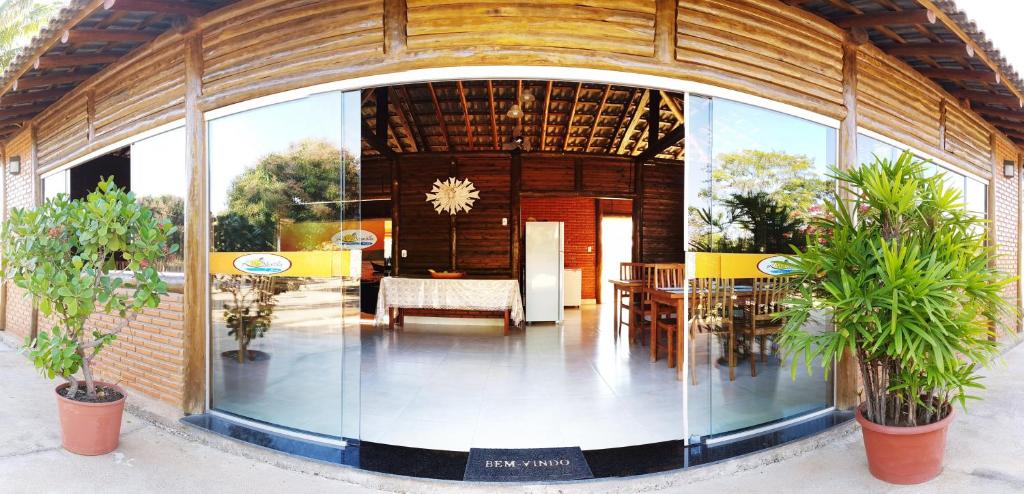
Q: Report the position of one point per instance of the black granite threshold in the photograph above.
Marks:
(451, 465)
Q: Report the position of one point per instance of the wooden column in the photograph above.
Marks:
(453, 254)
(665, 30)
(598, 254)
(396, 252)
(517, 217)
(846, 376)
(195, 238)
(37, 200)
(638, 211)
(396, 14)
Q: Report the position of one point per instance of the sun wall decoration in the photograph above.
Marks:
(453, 195)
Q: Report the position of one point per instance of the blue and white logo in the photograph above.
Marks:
(774, 266)
(262, 264)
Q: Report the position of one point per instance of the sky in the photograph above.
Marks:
(1000, 20)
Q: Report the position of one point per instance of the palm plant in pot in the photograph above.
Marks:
(904, 272)
(64, 254)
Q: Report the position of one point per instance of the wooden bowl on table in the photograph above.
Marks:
(446, 275)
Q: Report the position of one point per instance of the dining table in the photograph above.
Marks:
(631, 288)
(675, 298)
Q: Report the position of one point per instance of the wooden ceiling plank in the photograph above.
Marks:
(79, 36)
(623, 115)
(572, 115)
(961, 75)
(634, 122)
(20, 98)
(673, 106)
(953, 26)
(597, 117)
(404, 91)
(52, 61)
(50, 80)
(440, 117)
(175, 7)
(992, 98)
(465, 115)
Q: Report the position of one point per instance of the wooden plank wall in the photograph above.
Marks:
(663, 215)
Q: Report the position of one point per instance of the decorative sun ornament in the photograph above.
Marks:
(453, 195)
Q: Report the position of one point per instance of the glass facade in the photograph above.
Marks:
(754, 177)
(283, 180)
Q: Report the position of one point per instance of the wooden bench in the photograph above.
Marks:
(397, 314)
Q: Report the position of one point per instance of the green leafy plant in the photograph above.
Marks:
(249, 314)
(904, 272)
(64, 252)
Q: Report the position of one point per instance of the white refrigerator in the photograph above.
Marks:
(544, 261)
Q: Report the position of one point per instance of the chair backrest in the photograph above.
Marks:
(669, 275)
(768, 294)
(629, 271)
(712, 300)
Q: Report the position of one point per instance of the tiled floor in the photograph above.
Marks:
(456, 387)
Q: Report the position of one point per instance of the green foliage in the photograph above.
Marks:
(790, 179)
(249, 313)
(62, 254)
(904, 272)
(753, 222)
(19, 21)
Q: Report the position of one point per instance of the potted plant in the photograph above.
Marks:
(905, 274)
(64, 254)
(248, 314)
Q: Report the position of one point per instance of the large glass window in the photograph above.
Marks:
(757, 176)
(280, 178)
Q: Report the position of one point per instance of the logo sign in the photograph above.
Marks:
(354, 239)
(262, 264)
(774, 266)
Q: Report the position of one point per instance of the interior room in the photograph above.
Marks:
(497, 247)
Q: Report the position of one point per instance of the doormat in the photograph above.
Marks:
(527, 465)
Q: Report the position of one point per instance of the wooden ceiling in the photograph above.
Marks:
(101, 32)
(571, 117)
(937, 40)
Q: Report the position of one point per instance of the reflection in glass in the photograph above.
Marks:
(276, 181)
(158, 180)
(55, 184)
(760, 175)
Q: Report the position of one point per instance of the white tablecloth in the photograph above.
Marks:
(429, 293)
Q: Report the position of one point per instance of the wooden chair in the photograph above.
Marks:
(642, 306)
(627, 271)
(711, 311)
(667, 275)
(762, 311)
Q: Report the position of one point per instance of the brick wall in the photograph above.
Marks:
(1005, 225)
(18, 193)
(579, 216)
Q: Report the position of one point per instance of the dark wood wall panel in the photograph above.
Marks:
(423, 233)
(483, 244)
(663, 217)
(548, 174)
(375, 178)
(606, 177)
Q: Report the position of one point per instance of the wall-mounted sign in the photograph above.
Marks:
(354, 239)
(314, 264)
(774, 266)
(262, 264)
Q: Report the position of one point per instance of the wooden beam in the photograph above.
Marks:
(846, 368)
(382, 115)
(440, 117)
(572, 115)
(166, 7)
(51, 61)
(597, 117)
(954, 26)
(52, 80)
(404, 91)
(20, 98)
(665, 15)
(991, 98)
(195, 236)
(961, 75)
(951, 50)
(494, 116)
(516, 222)
(653, 118)
(396, 14)
(902, 18)
(18, 111)
(465, 115)
(1008, 114)
(640, 107)
(82, 35)
(45, 46)
(673, 106)
(376, 142)
(544, 121)
(655, 148)
(400, 111)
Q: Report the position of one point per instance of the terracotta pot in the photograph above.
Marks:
(905, 455)
(90, 428)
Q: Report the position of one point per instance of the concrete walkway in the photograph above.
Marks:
(985, 454)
